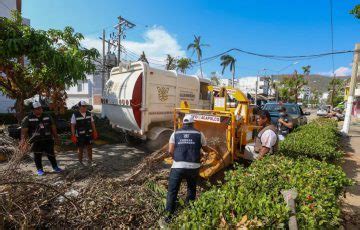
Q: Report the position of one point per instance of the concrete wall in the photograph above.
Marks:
(88, 90)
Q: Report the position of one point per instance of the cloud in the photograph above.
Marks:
(341, 71)
(156, 44)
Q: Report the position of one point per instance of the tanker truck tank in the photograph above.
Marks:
(140, 100)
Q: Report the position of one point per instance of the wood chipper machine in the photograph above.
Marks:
(228, 126)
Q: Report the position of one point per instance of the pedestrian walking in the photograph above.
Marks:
(83, 131)
(184, 147)
(39, 130)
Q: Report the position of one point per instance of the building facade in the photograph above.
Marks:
(6, 6)
(88, 90)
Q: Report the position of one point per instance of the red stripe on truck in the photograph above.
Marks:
(137, 99)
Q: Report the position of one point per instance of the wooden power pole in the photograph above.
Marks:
(122, 25)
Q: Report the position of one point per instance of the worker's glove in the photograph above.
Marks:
(74, 139)
(95, 135)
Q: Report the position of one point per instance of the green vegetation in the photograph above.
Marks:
(170, 62)
(143, 58)
(183, 64)
(55, 58)
(252, 197)
(228, 60)
(318, 139)
(291, 86)
(356, 11)
(336, 89)
(196, 47)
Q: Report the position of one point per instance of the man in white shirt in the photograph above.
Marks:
(265, 142)
(184, 146)
(83, 131)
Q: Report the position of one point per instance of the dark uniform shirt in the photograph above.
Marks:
(282, 129)
(39, 128)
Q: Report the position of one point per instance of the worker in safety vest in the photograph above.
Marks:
(184, 147)
(266, 140)
(83, 131)
(38, 130)
(285, 123)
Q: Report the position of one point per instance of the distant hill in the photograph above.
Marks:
(319, 82)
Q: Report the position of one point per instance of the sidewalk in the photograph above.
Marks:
(351, 203)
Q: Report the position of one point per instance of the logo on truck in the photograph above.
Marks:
(163, 93)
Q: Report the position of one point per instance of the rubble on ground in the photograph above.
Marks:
(137, 200)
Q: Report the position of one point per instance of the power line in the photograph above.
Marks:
(280, 57)
(2, 3)
(332, 36)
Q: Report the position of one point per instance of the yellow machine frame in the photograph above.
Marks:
(231, 105)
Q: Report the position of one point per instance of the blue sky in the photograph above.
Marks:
(281, 27)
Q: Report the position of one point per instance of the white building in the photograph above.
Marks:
(88, 90)
(247, 84)
(6, 7)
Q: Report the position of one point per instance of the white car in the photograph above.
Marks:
(323, 110)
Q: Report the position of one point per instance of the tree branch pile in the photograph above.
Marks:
(135, 201)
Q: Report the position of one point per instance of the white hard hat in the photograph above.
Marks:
(82, 103)
(188, 119)
(36, 105)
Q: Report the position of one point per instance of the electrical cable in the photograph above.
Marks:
(2, 3)
(332, 36)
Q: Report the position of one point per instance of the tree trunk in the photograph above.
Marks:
(233, 79)
(19, 109)
(201, 73)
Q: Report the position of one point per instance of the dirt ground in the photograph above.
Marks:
(351, 165)
(109, 160)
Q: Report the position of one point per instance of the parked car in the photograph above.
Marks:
(323, 110)
(294, 110)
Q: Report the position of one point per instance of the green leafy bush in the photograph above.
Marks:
(318, 139)
(252, 197)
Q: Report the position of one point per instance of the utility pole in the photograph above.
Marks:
(256, 89)
(350, 99)
(103, 65)
(122, 25)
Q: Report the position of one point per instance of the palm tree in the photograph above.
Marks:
(228, 60)
(196, 47)
(143, 58)
(170, 63)
(214, 79)
(183, 64)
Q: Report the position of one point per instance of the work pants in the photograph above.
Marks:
(43, 146)
(175, 178)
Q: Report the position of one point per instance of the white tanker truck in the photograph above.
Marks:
(140, 100)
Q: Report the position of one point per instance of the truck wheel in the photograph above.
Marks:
(131, 140)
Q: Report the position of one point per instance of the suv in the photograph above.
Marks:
(294, 110)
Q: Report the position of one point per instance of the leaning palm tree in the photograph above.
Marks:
(227, 60)
(183, 64)
(196, 47)
(170, 62)
(143, 58)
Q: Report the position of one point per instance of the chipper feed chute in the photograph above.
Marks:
(216, 136)
(216, 126)
(228, 126)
